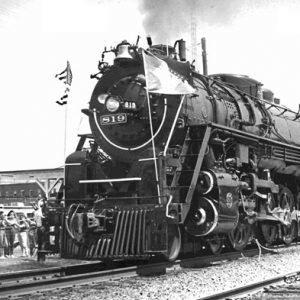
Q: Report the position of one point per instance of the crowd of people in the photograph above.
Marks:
(20, 230)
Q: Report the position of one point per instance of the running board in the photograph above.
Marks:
(111, 180)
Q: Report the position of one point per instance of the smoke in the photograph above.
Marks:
(160, 16)
(172, 18)
(9, 6)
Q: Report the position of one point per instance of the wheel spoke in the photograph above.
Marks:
(287, 203)
(239, 237)
(267, 233)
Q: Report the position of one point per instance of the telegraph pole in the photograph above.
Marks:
(194, 35)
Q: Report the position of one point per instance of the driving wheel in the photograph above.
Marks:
(239, 237)
(267, 230)
(215, 244)
(174, 242)
(287, 203)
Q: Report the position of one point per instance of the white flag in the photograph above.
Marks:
(161, 80)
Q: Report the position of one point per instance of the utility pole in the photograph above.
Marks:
(194, 34)
(194, 43)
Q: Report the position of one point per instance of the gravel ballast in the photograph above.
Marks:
(188, 283)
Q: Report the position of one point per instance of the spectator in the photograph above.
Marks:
(32, 237)
(42, 203)
(23, 234)
(41, 230)
(3, 243)
(39, 200)
(10, 231)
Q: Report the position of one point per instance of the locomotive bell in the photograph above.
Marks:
(123, 51)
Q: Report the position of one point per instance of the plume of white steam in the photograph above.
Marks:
(172, 18)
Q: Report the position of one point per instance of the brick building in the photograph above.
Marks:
(25, 185)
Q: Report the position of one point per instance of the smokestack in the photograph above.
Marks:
(149, 40)
(204, 56)
(182, 50)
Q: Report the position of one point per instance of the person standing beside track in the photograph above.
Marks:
(23, 235)
(41, 230)
(10, 231)
(32, 235)
(3, 243)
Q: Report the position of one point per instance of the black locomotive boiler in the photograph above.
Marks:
(169, 174)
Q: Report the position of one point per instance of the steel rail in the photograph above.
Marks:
(21, 286)
(63, 270)
(250, 288)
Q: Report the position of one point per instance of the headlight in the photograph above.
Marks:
(112, 103)
(101, 98)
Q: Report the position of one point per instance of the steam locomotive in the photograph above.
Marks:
(166, 174)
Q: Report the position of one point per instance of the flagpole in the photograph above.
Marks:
(65, 150)
(153, 147)
(67, 76)
(152, 137)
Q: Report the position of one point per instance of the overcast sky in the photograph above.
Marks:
(258, 38)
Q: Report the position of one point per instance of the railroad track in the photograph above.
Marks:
(285, 286)
(23, 283)
(56, 280)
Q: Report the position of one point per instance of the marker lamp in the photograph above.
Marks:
(101, 98)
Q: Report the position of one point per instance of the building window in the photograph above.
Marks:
(15, 193)
(30, 193)
(7, 179)
(21, 193)
(7, 194)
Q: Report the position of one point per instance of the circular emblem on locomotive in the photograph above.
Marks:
(229, 200)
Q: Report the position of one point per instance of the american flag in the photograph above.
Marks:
(67, 76)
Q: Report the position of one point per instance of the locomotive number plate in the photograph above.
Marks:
(113, 119)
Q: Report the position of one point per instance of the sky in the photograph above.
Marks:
(258, 38)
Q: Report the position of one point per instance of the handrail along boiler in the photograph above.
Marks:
(220, 164)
